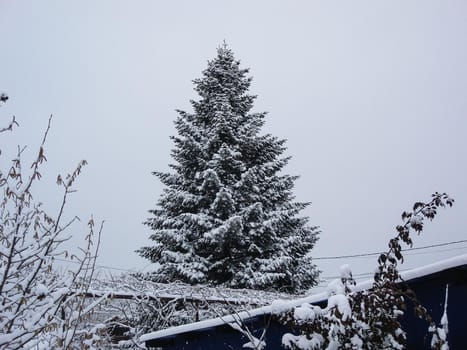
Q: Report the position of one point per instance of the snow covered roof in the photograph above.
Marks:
(129, 286)
(287, 304)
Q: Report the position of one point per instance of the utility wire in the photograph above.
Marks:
(100, 266)
(318, 258)
(378, 253)
(326, 279)
(438, 251)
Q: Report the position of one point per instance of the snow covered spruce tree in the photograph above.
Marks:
(227, 215)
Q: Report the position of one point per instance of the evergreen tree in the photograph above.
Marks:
(227, 215)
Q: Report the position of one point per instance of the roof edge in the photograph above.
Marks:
(411, 274)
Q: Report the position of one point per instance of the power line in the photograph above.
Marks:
(378, 253)
(318, 258)
(326, 279)
(99, 266)
(438, 251)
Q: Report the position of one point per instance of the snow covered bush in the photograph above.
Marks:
(40, 308)
(368, 319)
(227, 215)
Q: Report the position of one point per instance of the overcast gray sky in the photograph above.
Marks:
(371, 95)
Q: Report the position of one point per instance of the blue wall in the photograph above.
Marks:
(431, 293)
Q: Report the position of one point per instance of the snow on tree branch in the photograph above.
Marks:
(40, 308)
